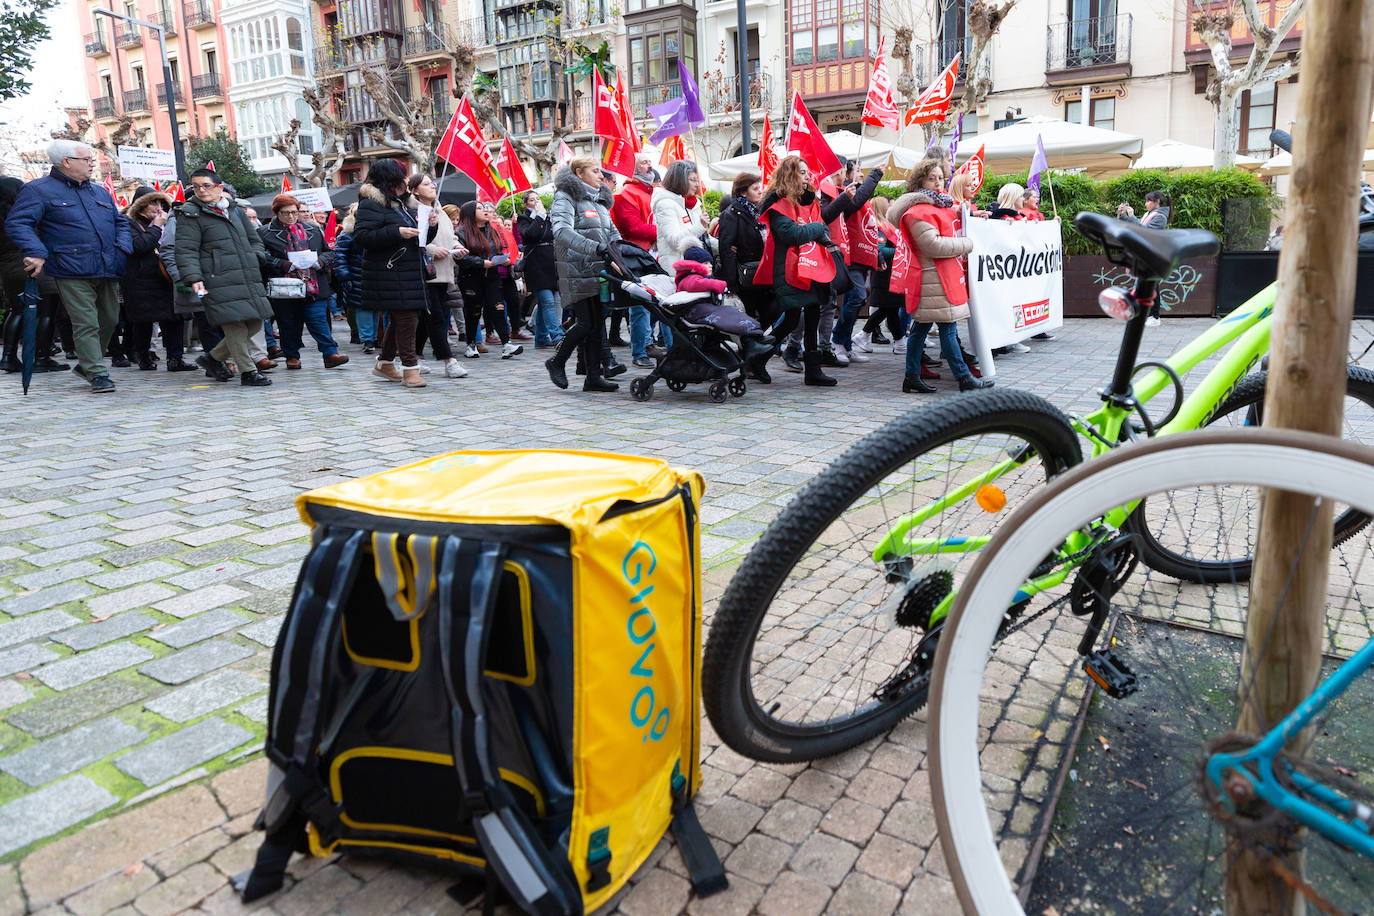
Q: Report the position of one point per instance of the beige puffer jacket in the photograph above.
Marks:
(441, 237)
(925, 240)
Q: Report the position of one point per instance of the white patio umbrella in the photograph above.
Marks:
(1283, 163)
(845, 145)
(1068, 145)
(1184, 157)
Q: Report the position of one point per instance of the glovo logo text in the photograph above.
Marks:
(648, 712)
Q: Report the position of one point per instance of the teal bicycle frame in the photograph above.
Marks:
(1246, 330)
(1333, 815)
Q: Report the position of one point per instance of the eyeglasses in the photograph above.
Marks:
(204, 187)
(284, 212)
(90, 159)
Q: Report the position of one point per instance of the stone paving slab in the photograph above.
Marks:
(185, 553)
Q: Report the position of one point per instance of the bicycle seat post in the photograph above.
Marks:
(1120, 391)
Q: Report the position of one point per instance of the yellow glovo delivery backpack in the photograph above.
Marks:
(491, 659)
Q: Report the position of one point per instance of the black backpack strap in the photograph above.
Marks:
(295, 794)
(703, 865)
(537, 880)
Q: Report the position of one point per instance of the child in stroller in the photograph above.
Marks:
(710, 340)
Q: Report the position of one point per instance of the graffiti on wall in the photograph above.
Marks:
(1173, 292)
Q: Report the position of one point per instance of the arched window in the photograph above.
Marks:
(294, 41)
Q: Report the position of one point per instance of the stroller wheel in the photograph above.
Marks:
(717, 392)
(674, 385)
(640, 390)
(738, 387)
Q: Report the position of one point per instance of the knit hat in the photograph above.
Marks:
(697, 253)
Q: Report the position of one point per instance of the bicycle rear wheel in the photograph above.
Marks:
(1162, 529)
(1050, 793)
(816, 645)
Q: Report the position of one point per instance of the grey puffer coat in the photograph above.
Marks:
(220, 249)
(581, 218)
(927, 244)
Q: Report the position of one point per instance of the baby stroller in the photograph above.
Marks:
(699, 353)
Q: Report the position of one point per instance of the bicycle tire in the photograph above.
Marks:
(734, 711)
(965, 811)
(1248, 393)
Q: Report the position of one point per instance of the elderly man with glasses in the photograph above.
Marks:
(71, 230)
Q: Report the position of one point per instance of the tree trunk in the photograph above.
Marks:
(1226, 128)
(1306, 390)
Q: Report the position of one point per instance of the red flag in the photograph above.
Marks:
(511, 169)
(617, 142)
(974, 169)
(673, 150)
(121, 201)
(210, 164)
(804, 138)
(565, 154)
(109, 186)
(879, 108)
(331, 228)
(933, 104)
(465, 148)
(178, 192)
(627, 116)
(286, 184)
(768, 157)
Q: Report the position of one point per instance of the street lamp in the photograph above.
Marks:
(166, 81)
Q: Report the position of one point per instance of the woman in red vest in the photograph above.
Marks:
(796, 260)
(937, 288)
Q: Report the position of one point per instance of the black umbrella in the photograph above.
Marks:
(29, 330)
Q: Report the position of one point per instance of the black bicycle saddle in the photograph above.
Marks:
(1152, 253)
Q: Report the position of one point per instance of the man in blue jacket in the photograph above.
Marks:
(71, 230)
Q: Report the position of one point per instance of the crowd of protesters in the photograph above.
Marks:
(788, 268)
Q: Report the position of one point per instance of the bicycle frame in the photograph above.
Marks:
(1245, 330)
(1265, 780)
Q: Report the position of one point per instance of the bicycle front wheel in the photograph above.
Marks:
(1056, 794)
(823, 637)
(1170, 536)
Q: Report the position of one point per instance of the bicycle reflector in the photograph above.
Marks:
(1117, 303)
(990, 498)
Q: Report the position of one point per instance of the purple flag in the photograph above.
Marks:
(689, 93)
(672, 119)
(1038, 164)
(954, 146)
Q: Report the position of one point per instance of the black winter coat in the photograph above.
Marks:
(393, 274)
(741, 240)
(541, 262)
(273, 237)
(146, 290)
(348, 269)
(473, 278)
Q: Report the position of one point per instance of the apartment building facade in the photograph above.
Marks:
(124, 73)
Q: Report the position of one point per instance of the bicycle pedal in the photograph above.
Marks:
(1110, 673)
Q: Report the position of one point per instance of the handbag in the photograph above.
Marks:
(285, 288)
(842, 283)
(747, 270)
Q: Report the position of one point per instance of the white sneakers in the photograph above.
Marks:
(454, 369)
(1152, 322)
(511, 349)
(899, 347)
(471, 352)
(856, 355)
(862, 343)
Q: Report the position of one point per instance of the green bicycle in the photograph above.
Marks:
(826, 635)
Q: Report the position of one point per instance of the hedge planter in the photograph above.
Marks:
(1190, 291)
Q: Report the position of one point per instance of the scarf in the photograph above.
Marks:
(690, 202)
(747, 208)
(297, 239)
(939, 198)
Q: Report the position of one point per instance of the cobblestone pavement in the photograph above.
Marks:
(148, 545)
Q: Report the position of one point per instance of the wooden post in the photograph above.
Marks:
(1306, 390)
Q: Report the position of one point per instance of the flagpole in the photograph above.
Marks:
(1052, 203)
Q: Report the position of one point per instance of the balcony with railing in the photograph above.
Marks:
(1085, 50)
(473, 32)
(198, 14)
(178, 96)
(721, 95)
(136, 101)
(328, 61)
(585, 14)
(97, 44)
(205, 87)
(423, 42)
(943, 52)
(103, 107)
(366, 52)
(1195, 51)
(167, 19)
(130, 37)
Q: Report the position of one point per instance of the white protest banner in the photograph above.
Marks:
(313, 200)
(1015, 280)
(153, 164)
